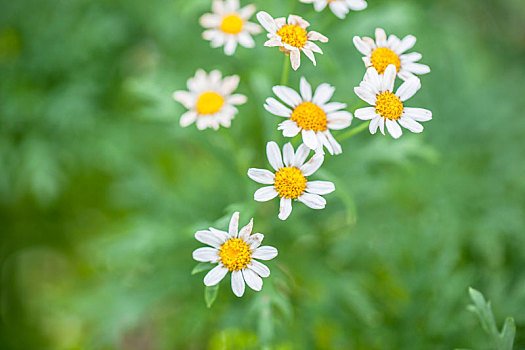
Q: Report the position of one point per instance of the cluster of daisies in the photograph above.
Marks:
(211, 102)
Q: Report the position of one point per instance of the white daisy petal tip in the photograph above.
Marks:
(339, 8)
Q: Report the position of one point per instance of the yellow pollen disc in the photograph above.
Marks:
(309, 116)
(231, 24)
(382, 57)
(389, 105)
(235, 254)
(209, 102)
(290, 182)
(293, 35)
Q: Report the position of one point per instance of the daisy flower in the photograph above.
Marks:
(228, 25)
(209, 101)
(291, 37)
(235, 251)
(388, 108)
(313, 117)
(290, 179)
(383, 52)
(339, 7)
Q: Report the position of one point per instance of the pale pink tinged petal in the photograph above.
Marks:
(320, 187)
(357, 5)
(410, 57)
(245, 232)
(388, 78)
(410, 124)
(261, 176)
(255, 240)
(247, 11)
(289, 47)
(365, 95)
(299, 21)
(238, 285)
(274, 41)
(322, 94)
(295, 59)
(380, 37)
(224, 236)
(206, 254)
(312, 165)
(339, 8)
(418, 114)
(277, 108)
(339, 120)
(252, 28)
(230, 46)
(374, 123)
(234, 225)
(308, 53)
(265, 194)
(406, 43)
(417, 68)
(366, 113)
(287, 95)
(393, 42)
(300, 155)
(259, 268)
(362, 46)
(215, 275)
(267, 21)
(372, 78)
(336, 146)
(370, 42)
(313, 47)
(393, 128)
(229, 84)
(245, 40)
(185, 98)
(323, 141)
(209, 238)
(237, 99)
(408, 89)
(309, 138)
(274, 155)
(333, 106)
(313, 201)
(210, 20)
(285, 208)
(316, 36)
(280, 21)
(289, 128)
(253, 280)
(188, 118)
(265, 253)
(306, 89)
(288, 154)
(218, 7)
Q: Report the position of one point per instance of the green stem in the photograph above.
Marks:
(353, 131)
(286, 70)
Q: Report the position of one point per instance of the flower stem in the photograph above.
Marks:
(353, 131)
(286, 70)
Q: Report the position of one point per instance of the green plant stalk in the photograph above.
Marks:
(286, 70)
(353, 131)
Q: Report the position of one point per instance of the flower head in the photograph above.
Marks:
(339, 7)
(290, 178)
(312, 116)
(388, 108)
(382, 52)
(235, 251)
(209, 101)
(291, 37)
(228, 25)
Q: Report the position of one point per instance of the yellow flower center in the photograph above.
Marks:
(231, 24)
(209, 102)
(389, 105)
(290, 182)
(235, 254)
(309, 116)
(293, 35)
(382, 57)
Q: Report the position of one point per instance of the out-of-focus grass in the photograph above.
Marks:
(101, 190)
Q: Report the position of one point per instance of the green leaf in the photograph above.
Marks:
(508, 333)
(203, 266)
(210, 294)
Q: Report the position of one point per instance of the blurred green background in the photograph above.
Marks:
(101, 191)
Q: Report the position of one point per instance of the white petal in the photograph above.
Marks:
(323, 141)
(313, 201)
(362, 46)
(265, 253)
(247, 11)
(406, 43)
(210, 238)
(245, 39)
(320, 187)
(312, 165)
(372, 78)
(374, 123)
(300, 155)
(410, 57)
(333, 106)
(205, 254)
(274, 155)
(322, 94)
(295, 59)
(215, 275)
(313, 47)
(259, 268)
(289, 128)
(234, 224)
(265, 194)
(185, 98)
(335, 145)
(255, 240)
(410, 124)
(310, 139)
(418, 114)
(314, 36)
(267, 21)
(237, 283)
(261, 176)
(237, 99)
(306, 89)
(356, 5)
(277, 108)
(393, 128)
(287, 95)
(380, 37)
(388, 78)
(339, 8)
(187, 118)
(365, 95)
(285, 208)
(229, 84)
(339, 120)
(408, 89)
(253, 280)
(245, 232)
(209, 20)
(382, 125)
(288, 154)
(217, 7)
(417, 68)
(309, 54)
(366, 113)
